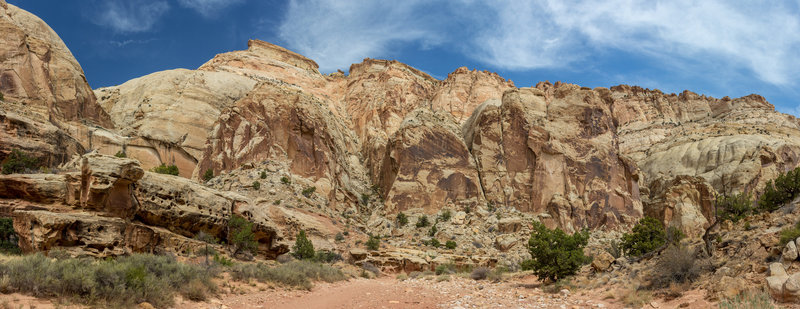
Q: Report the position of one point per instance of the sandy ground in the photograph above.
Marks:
(459, 292)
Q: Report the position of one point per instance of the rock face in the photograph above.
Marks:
(276, 122)
(463, 90)
(428, 165)
(532, 158)
(685, 202)
(40, 71)
(38, 139)
(113, 207)
(735, 144)
(175, 108)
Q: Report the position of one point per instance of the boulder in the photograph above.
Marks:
(602, 261)
(107, 184)
(509, 225)
(789, 251)
(40, 230)
(683, 202)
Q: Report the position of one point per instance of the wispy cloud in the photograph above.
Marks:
(339, 33)
(208, 8)
(523, 35)
(130, 16)
(128, 42)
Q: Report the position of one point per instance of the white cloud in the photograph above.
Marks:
(522, 35)
(208, 8)
(338, 33)
(130, 16)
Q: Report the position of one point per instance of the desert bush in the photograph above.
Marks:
(780, 191)
(432, 231)
(371, 268)
(402, 219)
(307, 192)
(208, 174)
(748, 300)
(555, 255)
(450, 244)
(303, 248)
(613, 247)
(19, 162)
(256, 185)
(285, 180)
(374, 243)
(444, 216)
(124, 282)
(166, 169)
(647, 235)
(445, 269)
(733, 207)
(120, 154)
(222, 260)
(241, 235)
(327, 257)
(8, 237)
(401, 277)
(479, 273)
(677, 264)
(1, 97)
(263, 175)
(296, 274)
(433, 242)
(423, 221)
(339, 237)
(790, 233)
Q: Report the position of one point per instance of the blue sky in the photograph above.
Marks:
(714, 47)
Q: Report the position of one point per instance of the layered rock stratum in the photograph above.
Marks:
(335, 153)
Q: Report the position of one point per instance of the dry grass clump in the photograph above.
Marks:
(677, 265)
(122, 282)
(479, 273)
(297, 274)
(748, 300)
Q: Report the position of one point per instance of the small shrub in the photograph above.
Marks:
(1, 97)
(303, 248)
(445, 269)
(327, 257)
(444, 216)
(423, 221)
(790, 234)
(121, 282)
(19, 162)
(450, 244)
(479, 273)
(263, 175)
(285, 180)
(432, 231)
(256, 185)
(414, 274)
(490, 206)
(614, 248)
(637, 298)
(734, 207)
(748, 300)
(364, 198)
(402, 219)
(276, 202)
(676, 265)
(674, 235)
(780, 191)
(208, 174)
(371, 268)
(373, 243)
(165, 169)
(401, 277)
(555, 254)
(496, 275)
(339, 237)
(120, 154)
(296, 274)
(241, 235)
(8, 237)
(443, 278)
(307, 192)
(222, 260)
(433, 242)
(647, 235)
